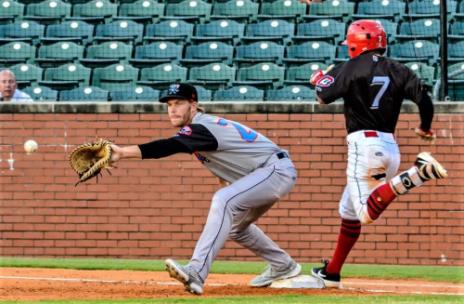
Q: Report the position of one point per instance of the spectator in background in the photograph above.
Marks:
(8, 88)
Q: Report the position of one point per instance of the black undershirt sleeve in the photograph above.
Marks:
(425, 111)
(162, 148)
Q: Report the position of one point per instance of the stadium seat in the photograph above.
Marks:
(390, 27)
(260, 52)
(266, 75)
(384, 9)
(48, 11)
(428, 8)
(456, 51)
(176, 30)
(27, 74)
(456, 30)
(207, 52)
(237, 93)
(115, 77)
(340, 9)
(139, 93)
(273, 29)
(162, 75)
(300, 74)
(236, 9)
(293, 92)
(77, 31)
(310, 51)
(423, 71)
(223, 30)
(283, 9)
(192, 9)
(427, 28)
(414, 50)
(323, 29)
(84, 94)
(341, 53)
(29, 31)
(59, 53)
(212, 75)
(95, 11)
(456, 71)
(38, 93)
(10, 10)
(107, 53)
(16, 52)
(66, 76)
(456, 90)
(203, 94)
(142, 10)
(121, 30)
(156, 53)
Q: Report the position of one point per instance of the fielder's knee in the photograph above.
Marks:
(364, 218)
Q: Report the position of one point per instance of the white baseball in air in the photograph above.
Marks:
(30, 146)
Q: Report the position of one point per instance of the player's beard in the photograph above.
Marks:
(184, 120)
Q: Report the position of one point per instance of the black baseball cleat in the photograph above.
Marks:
(331, 280)
(429, 167)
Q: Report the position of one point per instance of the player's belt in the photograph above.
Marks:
(281, 155)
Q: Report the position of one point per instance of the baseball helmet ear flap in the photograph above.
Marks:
(363, 36)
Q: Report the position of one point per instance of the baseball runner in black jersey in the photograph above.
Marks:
(254, 171)
(373, 88)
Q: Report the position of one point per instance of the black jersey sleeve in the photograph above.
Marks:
(196, 137)
(162, 148)
(334, 84)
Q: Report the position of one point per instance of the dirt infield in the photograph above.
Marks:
(47, 284)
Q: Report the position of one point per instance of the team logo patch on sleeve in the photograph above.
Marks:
(185, 131)
(325, 81)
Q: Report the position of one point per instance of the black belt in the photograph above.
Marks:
(281, 155)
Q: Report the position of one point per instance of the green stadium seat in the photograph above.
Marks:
(67, 76)
(266, 75)
(322, 29)
(310, 51)
(29, 31)
(237, 93)
(16, 52)
(456, 71)
(59, 53)
(203, 94)
(428, 8)
(300, 74)
(191, 9)
(84, 94)
(260, 52)
(121, 30)
(139, 93)
(384, 9)
(456, 30)
(427, 28)
(456, 51)
(423, 71)
(142, 10)
(340, 9)
(115, 77)
(414, 50)
(236, 9)
(341, 53)
(48, 11)
(283, 9)
(293, 92)
(273, 29)
(99, 55)
(207, 52)
(39, 93)
(223, 30)
(95, 11)
(176, 30)
(456, 90)
(76, 31)
(162, 75)
(10, 10)
(26, 74)
(156, 53)
(212, 75)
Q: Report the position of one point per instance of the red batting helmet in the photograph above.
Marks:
(365, 35)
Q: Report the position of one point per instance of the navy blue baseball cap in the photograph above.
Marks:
(180, 91)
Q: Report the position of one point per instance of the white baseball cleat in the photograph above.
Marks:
(270, 275)
(429, 167)
(186, 276)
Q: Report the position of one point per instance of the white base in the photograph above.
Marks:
(301, 281)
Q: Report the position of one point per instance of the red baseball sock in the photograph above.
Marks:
(379, 200)
(349, 234)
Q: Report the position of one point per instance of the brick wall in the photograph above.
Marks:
(156, 208)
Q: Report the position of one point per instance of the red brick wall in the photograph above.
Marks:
(156, 208)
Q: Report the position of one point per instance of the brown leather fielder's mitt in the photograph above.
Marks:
(90, 158)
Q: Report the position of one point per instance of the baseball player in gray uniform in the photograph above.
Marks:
(255, 174)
